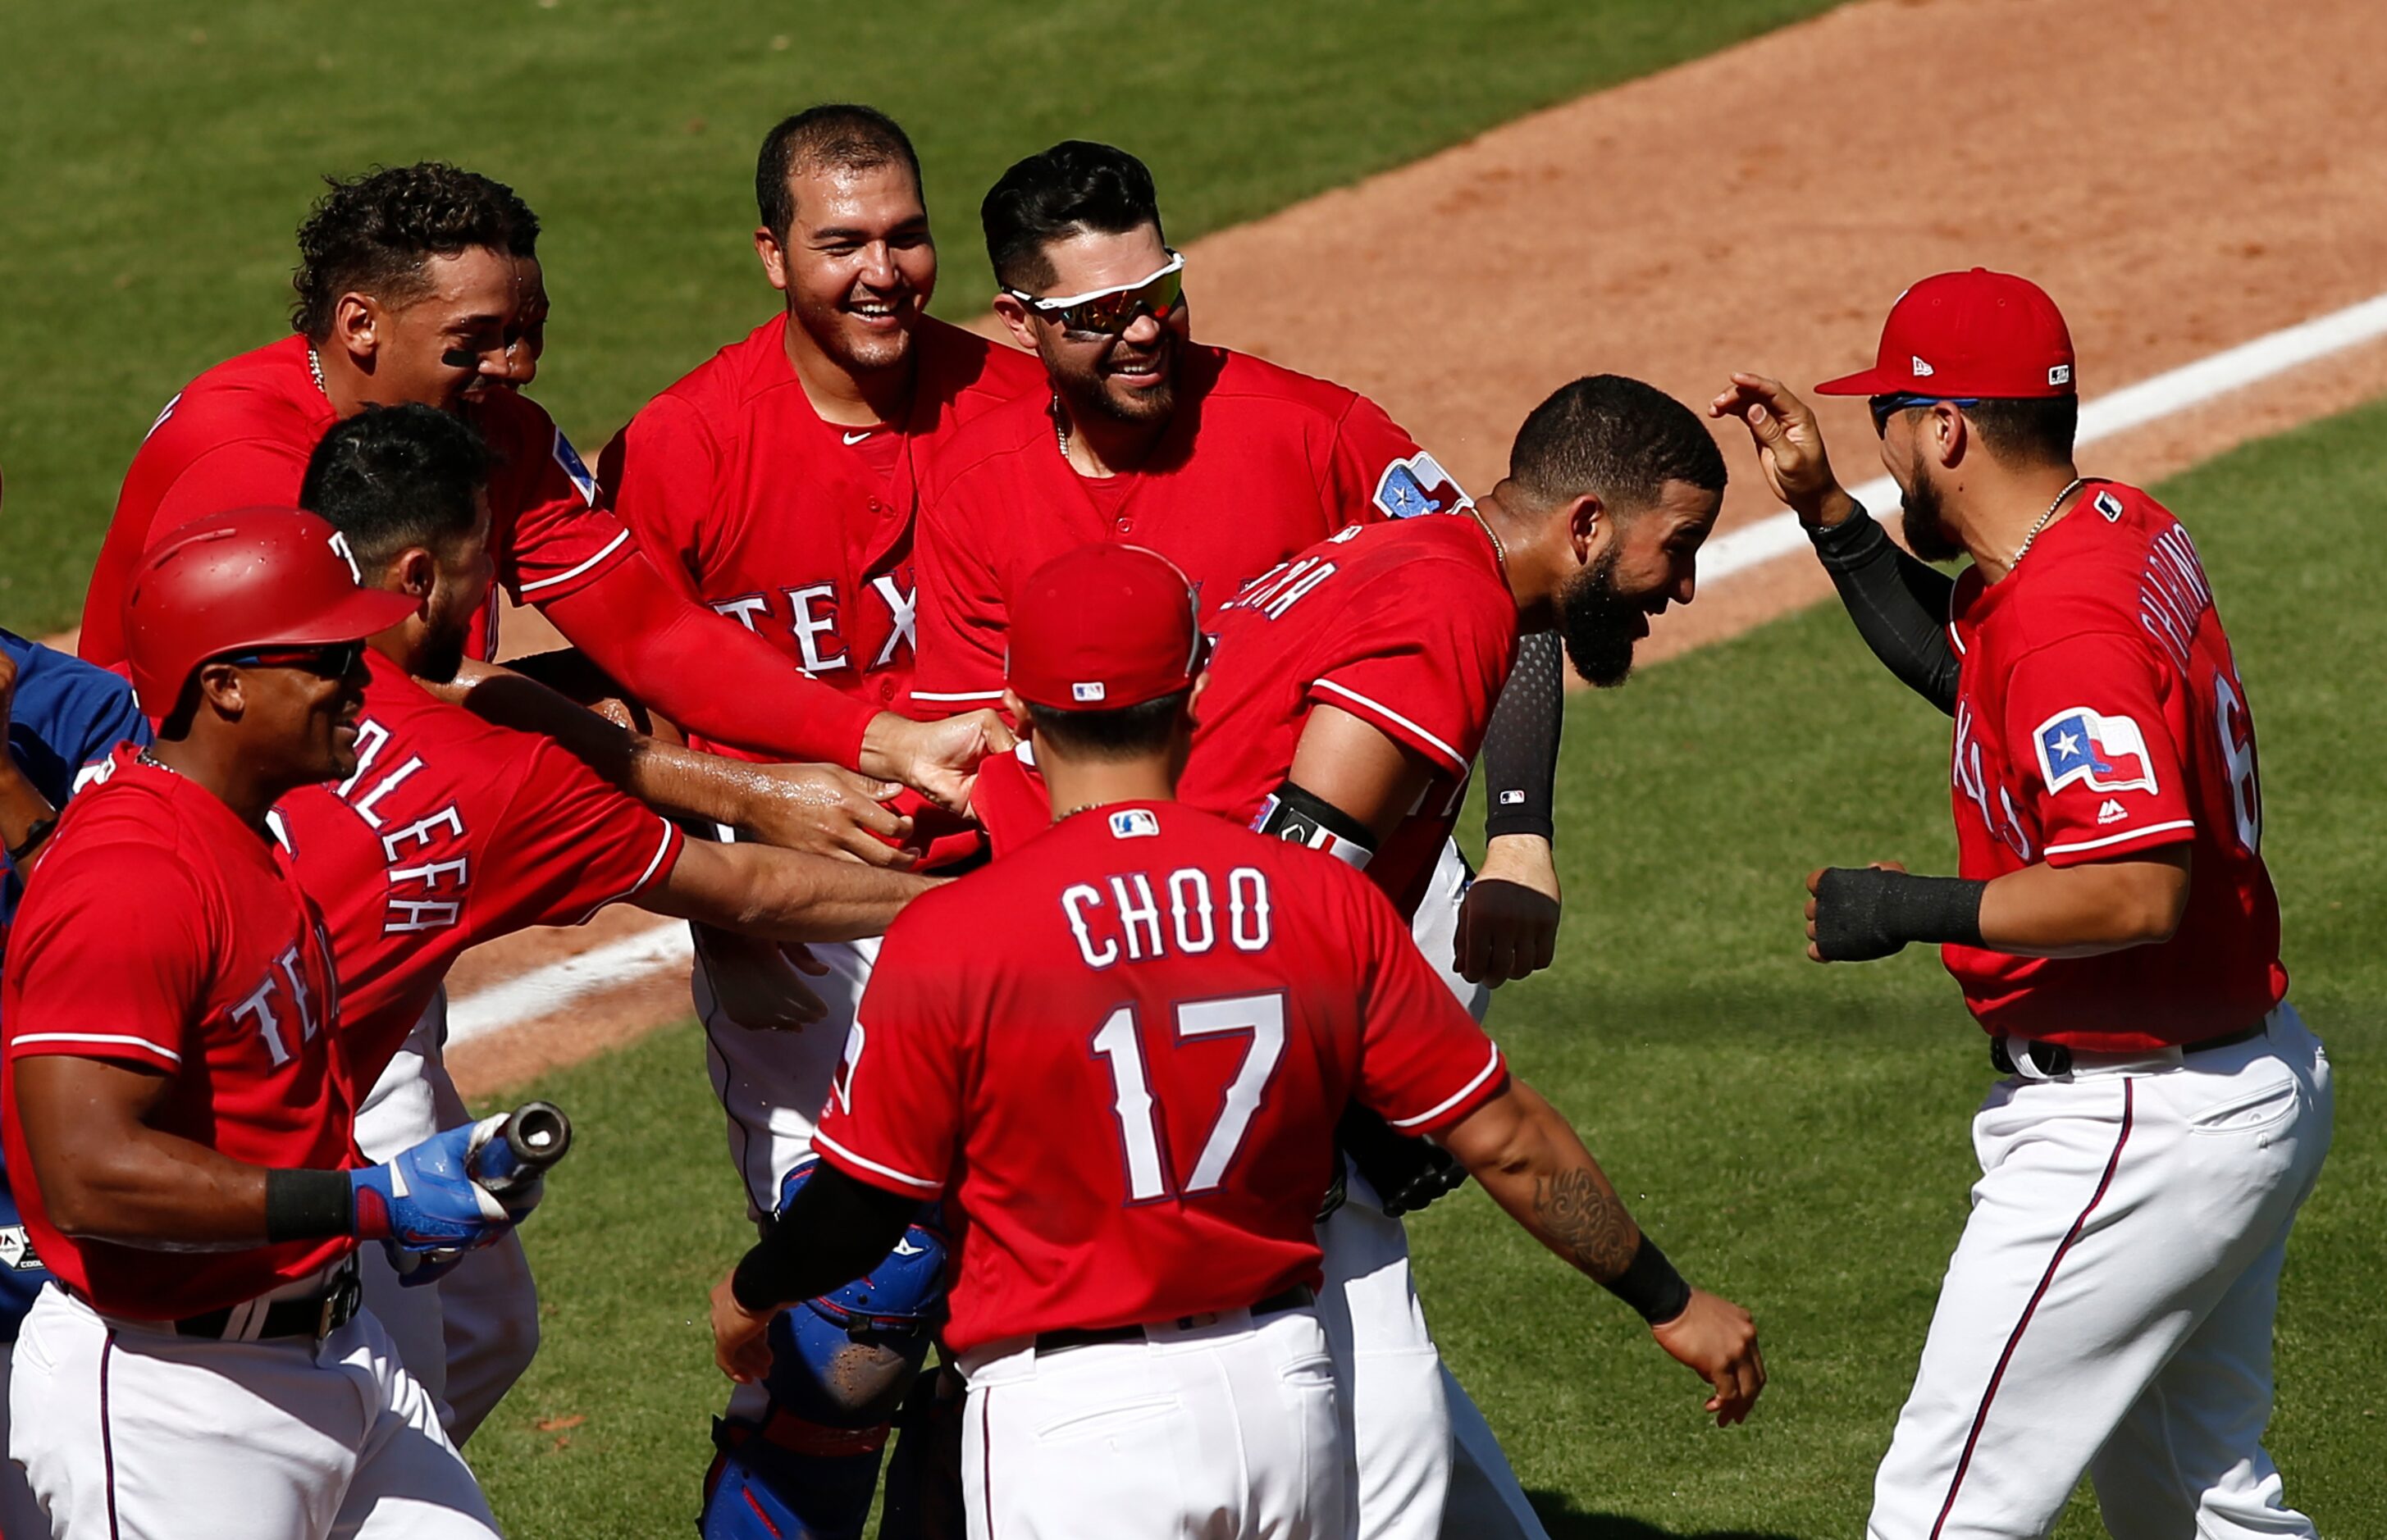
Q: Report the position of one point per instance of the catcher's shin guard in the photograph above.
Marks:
(806, 1466)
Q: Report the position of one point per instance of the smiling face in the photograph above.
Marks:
(1130, 378)
(1646, 560)
(433, 348)
(295, 712)
(858, 265)
(525, 336)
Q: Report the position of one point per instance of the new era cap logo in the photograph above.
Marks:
(1086, 691)
(1922, 370)
(2060, 373)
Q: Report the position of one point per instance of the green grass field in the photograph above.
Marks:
(1797, 1135)
(159, 158)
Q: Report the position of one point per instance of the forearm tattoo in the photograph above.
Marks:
(1578, 1213)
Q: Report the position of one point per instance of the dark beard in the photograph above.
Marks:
(1087, 392)
(442, 654)
(1597, 624)
(1919, 520)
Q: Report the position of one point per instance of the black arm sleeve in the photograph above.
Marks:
(1521, 743)
(1900, 604)
(835, 1229)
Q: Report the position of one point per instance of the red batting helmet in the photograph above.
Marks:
(1103, 628)
(251, 577)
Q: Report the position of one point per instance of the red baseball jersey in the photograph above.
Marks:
(239, 435)
(2099, 714)
(800, 530)
(1407, 626)
(1259, 462)
(164, 934)
(1120, 1055)
(452, 832)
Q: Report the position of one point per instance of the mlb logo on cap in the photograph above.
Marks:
(1107, 627)
(1959, 335)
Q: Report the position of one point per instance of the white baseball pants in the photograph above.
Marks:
(19, 1515)
(128, 1432)
(1226, 1430)
(773, 1085)
(1427, 1463)
(467, 1337)
(2109, 1307)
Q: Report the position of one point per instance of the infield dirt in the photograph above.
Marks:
(2182, 175)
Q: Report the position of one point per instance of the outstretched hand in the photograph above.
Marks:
(939, 759)
(827, 810)
(1790, 452)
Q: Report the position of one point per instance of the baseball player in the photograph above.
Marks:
(179, 1123)
(62, 717)
(1226, 465)
(1117, 1055)
(410, 288)
(1348, 695)
(2164, 1111)
(451, 831)
(777, 483)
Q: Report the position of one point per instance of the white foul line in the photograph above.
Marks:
(2190, 385)
(543, 992)
(546, 990)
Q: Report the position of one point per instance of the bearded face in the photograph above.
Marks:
(1600, 624)
(1919, 517)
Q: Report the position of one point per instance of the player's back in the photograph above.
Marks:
(1406, 625)
(236, 436)
(1154, 1018)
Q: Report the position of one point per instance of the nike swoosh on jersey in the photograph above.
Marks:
(858, 438)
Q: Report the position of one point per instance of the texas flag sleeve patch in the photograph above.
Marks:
(2105, 753)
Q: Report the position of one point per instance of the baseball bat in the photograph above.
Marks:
(535, 1136)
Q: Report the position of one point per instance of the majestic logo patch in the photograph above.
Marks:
(2112, 812)
(2105, 753)
(1922, 371)
(17, 1250)
(1418, 485)
(2109, 505)
(569, 458)
(1134, 822)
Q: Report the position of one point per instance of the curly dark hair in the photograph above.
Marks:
(371, 235)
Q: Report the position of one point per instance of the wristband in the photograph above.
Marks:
(35, 832)
(307, 1205)
(1305, 818)
(1863, 913)
(1650, 1285)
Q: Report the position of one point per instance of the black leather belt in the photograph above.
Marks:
(2054, 1058)
(316, 1315)
(1299, 1298)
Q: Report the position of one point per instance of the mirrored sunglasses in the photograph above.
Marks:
(1108, 312)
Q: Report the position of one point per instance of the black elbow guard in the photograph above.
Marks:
(1306, 818)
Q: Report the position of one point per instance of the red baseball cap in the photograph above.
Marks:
(1978, 334)
(256, 577)
(1103, 628)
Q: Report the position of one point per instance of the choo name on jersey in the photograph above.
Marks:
(1135, 916)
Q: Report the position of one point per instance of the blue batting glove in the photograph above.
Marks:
(425, 1198)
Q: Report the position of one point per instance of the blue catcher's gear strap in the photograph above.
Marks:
(830, 1232)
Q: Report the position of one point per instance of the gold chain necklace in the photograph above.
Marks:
(2024, 549)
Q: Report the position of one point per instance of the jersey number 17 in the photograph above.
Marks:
(1119, 1044)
